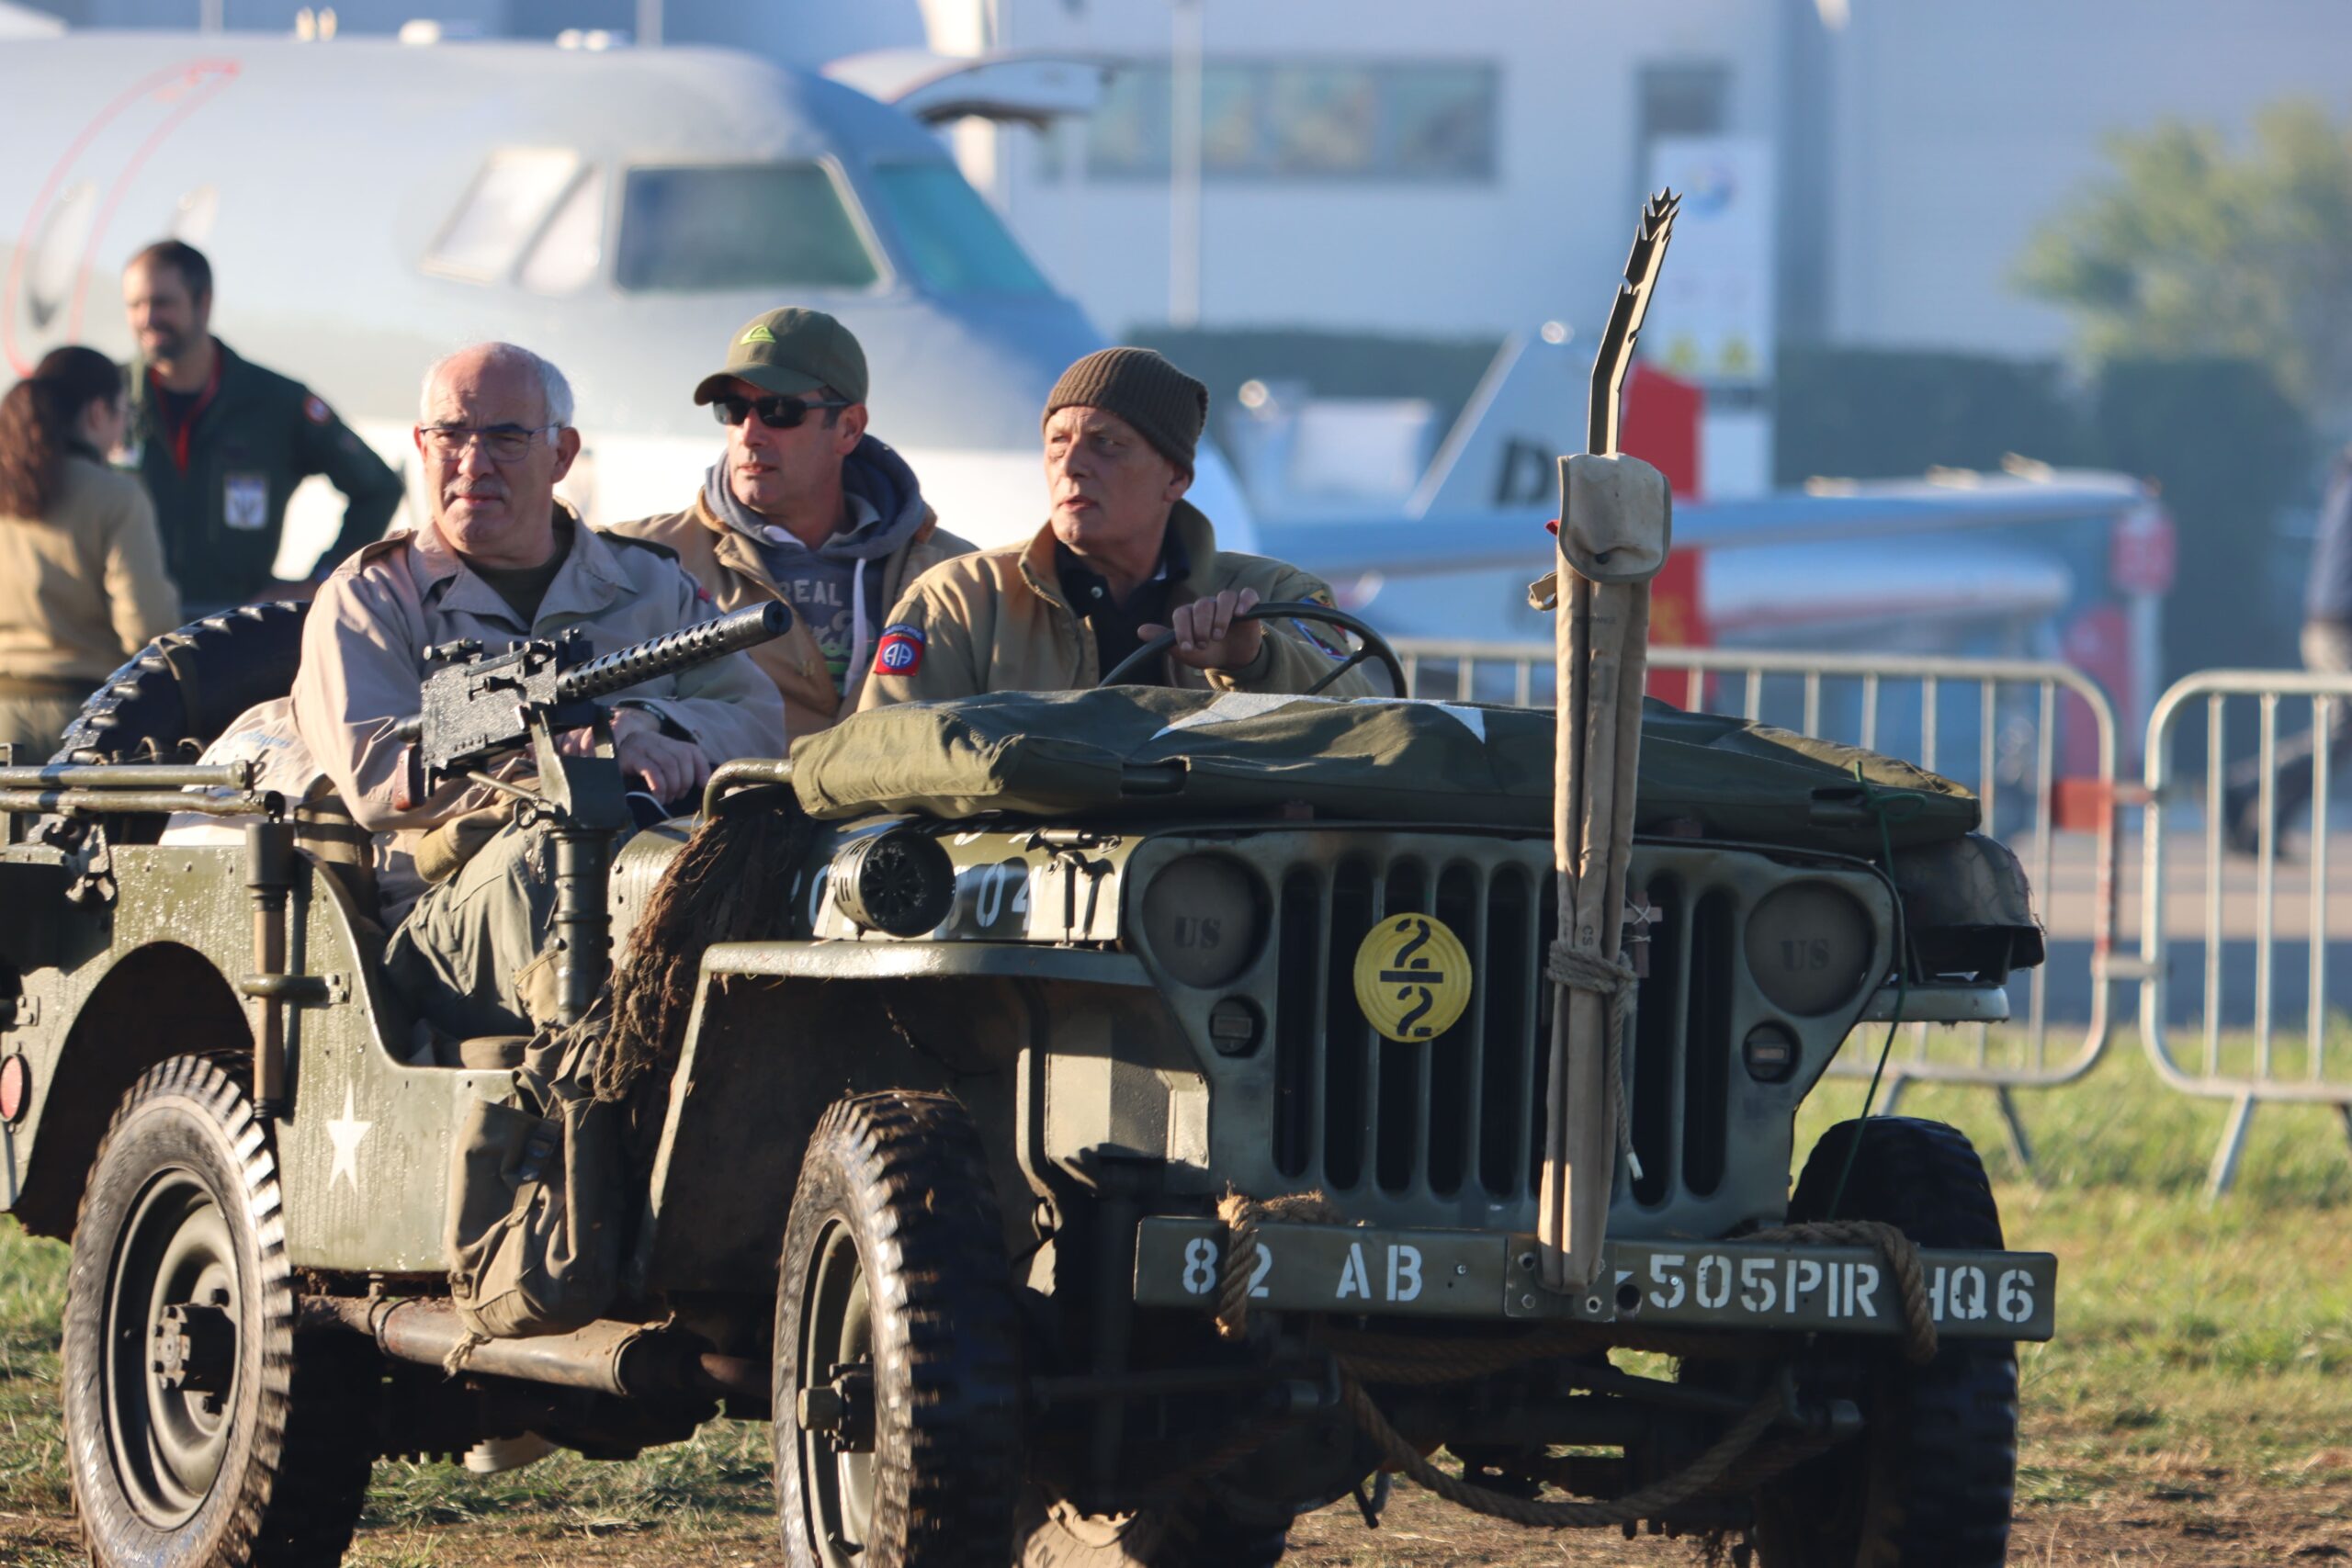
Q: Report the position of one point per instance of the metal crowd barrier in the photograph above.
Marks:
(2016, 715)
(2246, 1071)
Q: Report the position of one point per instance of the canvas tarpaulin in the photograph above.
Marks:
(1137, 750)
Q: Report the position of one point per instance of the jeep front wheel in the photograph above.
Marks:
(896, 1390)
(192, 1437)
(1932, 1475)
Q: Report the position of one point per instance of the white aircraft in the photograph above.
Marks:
(368, 205)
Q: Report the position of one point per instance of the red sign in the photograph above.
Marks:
(2143, 551)
(1678, 619)
(1661, 426)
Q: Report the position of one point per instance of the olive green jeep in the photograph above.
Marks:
(1114, 1128)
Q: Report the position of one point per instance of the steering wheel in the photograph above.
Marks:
(1375, 644)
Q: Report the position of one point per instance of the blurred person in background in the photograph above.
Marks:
(2327, 651)
(82, 582)
(221, 442)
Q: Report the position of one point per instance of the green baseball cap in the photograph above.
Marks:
(791, 350)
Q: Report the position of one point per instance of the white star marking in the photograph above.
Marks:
(346, 1133)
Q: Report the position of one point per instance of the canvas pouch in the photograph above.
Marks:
(538, 1194)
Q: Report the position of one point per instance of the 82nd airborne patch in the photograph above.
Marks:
(900, 650)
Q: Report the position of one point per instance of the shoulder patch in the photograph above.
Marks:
(900, 650)
(315, 410)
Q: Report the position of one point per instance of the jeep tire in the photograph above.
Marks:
(897, 1420)
(1933, 1474)
(194, 1438)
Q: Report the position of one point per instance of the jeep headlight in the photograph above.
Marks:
(1204, 919)
(1809, 948)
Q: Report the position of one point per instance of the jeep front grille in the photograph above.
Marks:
(1450, 1131)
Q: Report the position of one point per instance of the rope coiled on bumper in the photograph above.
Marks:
(1737, 1460)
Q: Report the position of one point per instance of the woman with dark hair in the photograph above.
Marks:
(82, 582)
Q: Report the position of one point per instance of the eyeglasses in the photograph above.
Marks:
(776, 413)
(504, 443)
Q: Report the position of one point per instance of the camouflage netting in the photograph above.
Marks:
(1152, 751)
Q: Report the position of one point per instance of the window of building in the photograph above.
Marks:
(1305, 120)
(954, 241)
(739, 226)
(503, 207)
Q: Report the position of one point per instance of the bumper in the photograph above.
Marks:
(1754, 1286)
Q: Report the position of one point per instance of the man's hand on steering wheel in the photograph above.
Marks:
(1211, 634)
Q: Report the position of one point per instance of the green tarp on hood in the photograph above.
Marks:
(1134, 750)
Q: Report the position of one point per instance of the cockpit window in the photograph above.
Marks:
(954, 240)
(570, 246)
(738, 227)
(503, 208)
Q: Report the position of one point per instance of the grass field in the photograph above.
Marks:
(2195, 1408)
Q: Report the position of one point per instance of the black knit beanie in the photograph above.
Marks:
(1163, 403)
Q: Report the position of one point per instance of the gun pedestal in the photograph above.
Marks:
(585, 801)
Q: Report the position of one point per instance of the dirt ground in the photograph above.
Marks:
(2198, 1519)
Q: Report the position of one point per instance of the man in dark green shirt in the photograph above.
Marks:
(222, 443)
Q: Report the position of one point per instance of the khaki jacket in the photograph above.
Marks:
(363, 661)
(82, 589)
(724, 562)
(996, 620)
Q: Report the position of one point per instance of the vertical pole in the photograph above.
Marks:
(1186, 31)
(648, 24)
(211, 16)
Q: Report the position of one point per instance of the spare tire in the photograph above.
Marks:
(183, 690)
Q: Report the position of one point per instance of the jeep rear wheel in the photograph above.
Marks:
(192, 1436)
(1195, 1534)
(896, 1390)
(1933, 1474)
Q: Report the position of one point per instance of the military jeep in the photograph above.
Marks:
(1120, 1135)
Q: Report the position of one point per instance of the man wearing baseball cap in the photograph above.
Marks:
(803, 506)
(1122, 559)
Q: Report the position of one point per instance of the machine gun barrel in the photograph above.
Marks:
(673, 651)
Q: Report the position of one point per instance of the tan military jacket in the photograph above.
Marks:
(82, 589)
(724, 562)
(363, 661)
(996, 620)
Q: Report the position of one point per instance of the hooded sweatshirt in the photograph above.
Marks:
(831, 586)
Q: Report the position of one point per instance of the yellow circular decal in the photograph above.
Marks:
(1412, 978)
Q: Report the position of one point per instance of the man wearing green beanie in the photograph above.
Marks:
(1122, 559)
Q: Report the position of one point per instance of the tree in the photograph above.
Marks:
(2190, 248)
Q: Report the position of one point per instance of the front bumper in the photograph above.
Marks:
(1755, 1286)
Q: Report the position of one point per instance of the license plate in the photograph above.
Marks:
(1489, 1274)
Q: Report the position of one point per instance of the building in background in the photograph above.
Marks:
(1470, 171)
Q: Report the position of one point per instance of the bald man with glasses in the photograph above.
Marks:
(467, 891)
(803, 506)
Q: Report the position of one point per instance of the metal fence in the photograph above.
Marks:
(1997, 724)
(2243, 1069)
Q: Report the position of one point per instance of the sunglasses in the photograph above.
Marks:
(776, 412)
